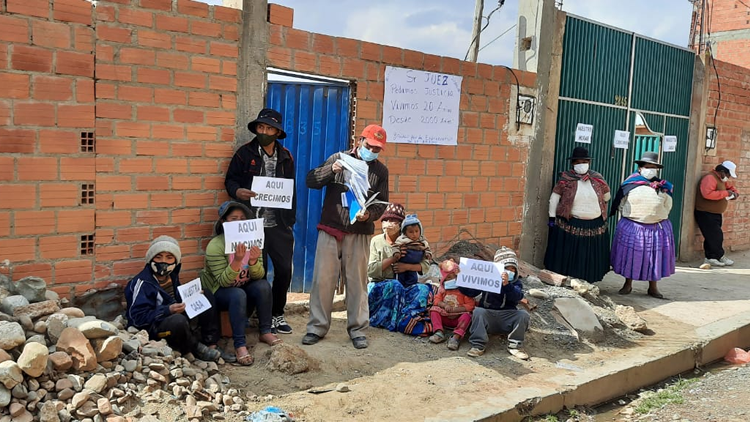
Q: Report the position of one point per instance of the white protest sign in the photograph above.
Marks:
(249, 232)
(583, 133)
(670, 143)
(421, 107)
(272, 192)
(195, 301)
(622, 139)
(480, 275)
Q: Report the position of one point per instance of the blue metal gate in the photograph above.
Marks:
(316, 121)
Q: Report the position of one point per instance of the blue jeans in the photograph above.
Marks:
(240, 302)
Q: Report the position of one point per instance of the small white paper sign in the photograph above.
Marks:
(583, 133)
(670, 143)
(272, 192)
(480, 275)
(622, 139)
(195, 301)
(249, 232)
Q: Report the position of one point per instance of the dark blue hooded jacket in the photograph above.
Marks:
(508, 298)
(147, 302)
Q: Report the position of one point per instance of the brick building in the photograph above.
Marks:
(725, 25)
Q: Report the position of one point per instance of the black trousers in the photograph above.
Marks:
(279, 247)
(713, 237)
(208, 321)
(176, 330)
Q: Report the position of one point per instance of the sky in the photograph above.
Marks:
(443, 27)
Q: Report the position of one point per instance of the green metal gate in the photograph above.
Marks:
(611, 79)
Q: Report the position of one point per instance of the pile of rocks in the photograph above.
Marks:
(56, 364)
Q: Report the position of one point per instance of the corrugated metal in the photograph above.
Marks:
(316, 120)
(662, 78)
(674, 170)
(596, 62)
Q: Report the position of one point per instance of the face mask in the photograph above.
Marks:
(724, 179)
(581, 168)
(367, 155)
(390, 226)
(511, 274)
(649, 173)
(265, 139)
(450, 284)
(162, 268)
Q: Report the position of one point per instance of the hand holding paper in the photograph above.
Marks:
(194, 302)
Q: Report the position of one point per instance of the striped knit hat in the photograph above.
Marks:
(506, 256)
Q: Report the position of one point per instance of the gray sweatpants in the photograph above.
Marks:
(346, 259)
(484, 322)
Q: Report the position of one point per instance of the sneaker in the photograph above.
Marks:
(309, 339)
(205, 353)
(520, 354)
(726, 261)
(280, 325)
(360, 342)
(453, 343)
(475, 352)
(714, 262)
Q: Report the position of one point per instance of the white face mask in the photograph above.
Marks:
(581, 168)
(724, 179)
(649, 173)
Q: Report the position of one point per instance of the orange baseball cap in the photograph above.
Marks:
(375, 135)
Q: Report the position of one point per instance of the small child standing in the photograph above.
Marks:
(412, 248)
(451, 307)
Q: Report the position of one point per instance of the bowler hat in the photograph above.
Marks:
(649, 157)
(580, 153)
(269, 117)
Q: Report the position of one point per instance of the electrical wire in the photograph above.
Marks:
(518, 93)
(488, 17)
(742, 3)
(497, 38)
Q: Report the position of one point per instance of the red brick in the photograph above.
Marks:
(113, 218)
(15, 30)
(148, 38)
(135, 17)
(50, 34)
(18, 196)
(6, 169)
(171, 60)
(4, 113)
(105, 53)
(79, 64)
(83, 169)
(37, 168)
(104, 13)
(131, 201)
(186, 183)
(114, 110)
(38, 8)
(34, 114)
(231, 32)
(114, 34)
(85, 90)
(137, 56)
(74, 271)
(37, 269)
(153, 113)
(155, 183)
(190, 45)
(189, 7)
(189, 80)
(348, 47)
(59, 195)
(136, 94)
(132, 130)
(171, 23)
(113, 183)
(171, 165)
(353, 68)
(165, 5)
(222, 83)
(205, 64)
(200, 99)
(13, 85)
(165, 200)
(33, 59)
(59, 247)
(227, 14)
(188, 116)
(75, 221)
(208, 29)
(201, 133)
(279, 57)
(188, 149)
(229, 68)
(153, 76)
(3, 56)
(73, 11)
(52, 88)
(152, 217)
(169, 96)
(323, 44)
(18, 250)
(224, 49)
(280, 15)
(113, 72)
(167, 132)
(75, 116)
(34, 223)
(17, 141)
(304, 61)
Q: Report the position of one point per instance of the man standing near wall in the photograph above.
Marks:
(344, 246)
(714, 194)
(265, 156)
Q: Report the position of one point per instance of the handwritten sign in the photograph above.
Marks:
(480, 275)
(583, 133)
(622, 139)
(249, 232)
(272, 192)
(195, 301)
(670, 143)
(421, 107)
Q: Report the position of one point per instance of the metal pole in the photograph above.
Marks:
(474, 47)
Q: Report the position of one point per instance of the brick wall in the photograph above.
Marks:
(156, 81)
(733, 143)
(477, 185)
(726, 16)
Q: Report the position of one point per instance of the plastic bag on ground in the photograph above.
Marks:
(737, 356)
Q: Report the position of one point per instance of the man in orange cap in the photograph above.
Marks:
(344, 247)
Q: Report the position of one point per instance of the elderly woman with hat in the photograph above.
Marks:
(578, 241)
(237, 282)
(643, 248)
(393, 306)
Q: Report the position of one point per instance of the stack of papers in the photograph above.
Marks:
(355, 177)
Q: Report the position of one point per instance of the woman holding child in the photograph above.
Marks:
(397, 300)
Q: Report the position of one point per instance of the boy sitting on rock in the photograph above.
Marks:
(412, 248)
(154, 304)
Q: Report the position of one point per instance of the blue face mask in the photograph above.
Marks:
(511, 275)
(366, 154)
(450, 284)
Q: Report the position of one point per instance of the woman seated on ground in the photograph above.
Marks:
(393, 306)
(237, 283)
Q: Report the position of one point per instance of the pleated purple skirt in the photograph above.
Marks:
(643, 251)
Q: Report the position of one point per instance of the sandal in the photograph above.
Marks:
(245, 360)
(625, 291)
(270, 339)
(454, 343)
(656, 295)
(437, 337)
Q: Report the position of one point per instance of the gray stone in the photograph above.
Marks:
(4, 356)
(6, 284)
(40, 327)
(97, 329)
(579, 315)
(107, 349)
(157, 376)
(74, 313)
(16, 409)
(290, 359)
(33, 359)
(65, 416)
(11, 335)
(80, 398)
(582, 287)
(20, 392)
(26, 323)
(10, 374)
(33, 384)
(343, 388)
(96, 383)
(77, 381)
(37, 338)
(51, 295)
(48, 413)
(32, 288)
(36, 310)
(65, 394)
(131, 345)
(56, 323)
(631, 319)
(104, 406)
(130, 365)
(61, 361)
(539, 294)
(10, 303)
(87, 410)
(106, 303)
(24, 417)
(5, 396)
